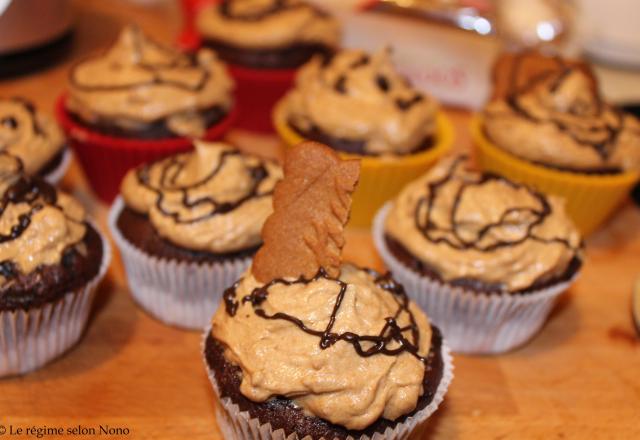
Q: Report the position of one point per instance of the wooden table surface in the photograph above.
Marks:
(579, 378)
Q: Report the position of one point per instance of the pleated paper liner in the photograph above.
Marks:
(180, 294)
(473, 322)
(29, 339)
(590, 198)
(381, 178)
(238, 425)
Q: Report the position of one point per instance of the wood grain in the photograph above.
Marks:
(577, 379)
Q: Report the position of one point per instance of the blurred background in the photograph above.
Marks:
(445, 46)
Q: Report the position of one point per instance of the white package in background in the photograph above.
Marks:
(451, 64)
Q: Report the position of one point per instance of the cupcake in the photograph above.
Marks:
(292, 331)
(34, 138)
(188, 225)
(548, 126)
(361, 106)
(52, 260)
(264, 43)
(141, 101)
(484, 256)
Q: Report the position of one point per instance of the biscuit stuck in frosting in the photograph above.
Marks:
(139, 87)
(29, 135)
(467, 227)
(303, 337)
(311, 207)
(214, 199)
(558, 119)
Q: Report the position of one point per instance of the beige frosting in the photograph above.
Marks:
(262, 24)
(54, 224)
(214, 174)
(29, 135)
(561, 121)
(369, 106)
(138, 82)
(336, 384)
(542, 254)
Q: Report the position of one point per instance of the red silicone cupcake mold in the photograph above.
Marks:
(257, 90)
(106, 159)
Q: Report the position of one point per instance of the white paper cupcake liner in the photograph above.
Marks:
(235, 424)
(31, 338)
(55, 176)
(473, 322)
(181, 294)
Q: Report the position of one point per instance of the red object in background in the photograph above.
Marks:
(257, 90)
(189, 39)
(106, 159)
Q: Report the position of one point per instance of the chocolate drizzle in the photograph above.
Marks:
(33, 192)
(391, 341)
(406, 104)
(21, 189)
(11, 122)
(174, 166)
(442, 235)
(155, 70)
(382, 82)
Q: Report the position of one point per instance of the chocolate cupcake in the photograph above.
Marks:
(140, 89)
(374, 109)
(267, 34)
(282, 350)
(500, 251)
(51, 260)
(559, 120)
(34, 138)
(361, 106)
(140, 102)
(264, 42)
(188, 225)
(548, 126)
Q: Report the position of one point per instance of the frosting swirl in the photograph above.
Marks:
(361, 97)
(37, 223)
(560, 120)
(138, 83)
(467, 226)
(214, 199)
(267, 24)
(29, 135)
(305, 339)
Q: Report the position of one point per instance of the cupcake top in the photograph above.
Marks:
(268, 24)
(361, 104)
(311, 350)
(28, 135)
(558, 119)
(138, 84)
(301, 322)
(475, 229)
(214, 199)
(37, 223)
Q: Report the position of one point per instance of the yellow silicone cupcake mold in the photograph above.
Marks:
(590, 198)
(381, 178)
